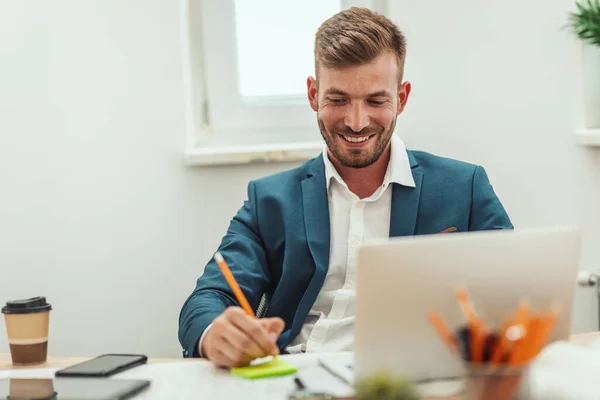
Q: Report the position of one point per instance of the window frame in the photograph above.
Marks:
(222, 128)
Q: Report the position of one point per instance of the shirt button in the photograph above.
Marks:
(359, 204)
(335, 316)
(312, 343)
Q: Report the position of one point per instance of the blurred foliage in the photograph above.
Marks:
(585, 23)
(384, 386)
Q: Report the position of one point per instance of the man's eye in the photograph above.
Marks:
(337, 101)
(377, 102)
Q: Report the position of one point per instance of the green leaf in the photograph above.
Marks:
(585, 22)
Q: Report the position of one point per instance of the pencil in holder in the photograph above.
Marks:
(496, 361)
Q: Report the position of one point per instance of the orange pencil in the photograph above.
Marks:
(234, 285)
(476, 328)
(504, 343)
(442, 328)
(523, 347)
(546, 326)
(501, 342)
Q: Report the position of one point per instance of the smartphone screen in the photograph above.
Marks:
(103, 365)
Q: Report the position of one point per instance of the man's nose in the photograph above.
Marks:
(357, 117)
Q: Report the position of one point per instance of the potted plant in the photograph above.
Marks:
(384, 386)
(585, 23)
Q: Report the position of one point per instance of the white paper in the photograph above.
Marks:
(201, 379)
(562, 372)
(565, 371)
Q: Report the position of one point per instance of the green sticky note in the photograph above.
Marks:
(274, 367)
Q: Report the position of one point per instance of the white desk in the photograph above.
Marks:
(199, 379)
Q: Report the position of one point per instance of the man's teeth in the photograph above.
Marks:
(356, 139)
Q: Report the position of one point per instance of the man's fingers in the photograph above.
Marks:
(273, 325)
(239, 340)
(252, 328)
(228, 356)
(236, 338)
(217, 357)
(235, 357)
(220, 360)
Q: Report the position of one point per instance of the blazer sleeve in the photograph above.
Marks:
(243, 250)
(487, 212)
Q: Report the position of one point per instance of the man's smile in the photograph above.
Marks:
(356, 141)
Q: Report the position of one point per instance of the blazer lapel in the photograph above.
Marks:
(315, 206)
(405, 203)
(316, 215)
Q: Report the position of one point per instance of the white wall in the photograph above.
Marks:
(498, 83)
(97, 210)
(99, 214)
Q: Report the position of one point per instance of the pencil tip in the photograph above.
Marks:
(461, 293)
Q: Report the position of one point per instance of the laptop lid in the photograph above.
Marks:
(399, 279)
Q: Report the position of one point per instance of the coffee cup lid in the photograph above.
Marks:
(27, 306)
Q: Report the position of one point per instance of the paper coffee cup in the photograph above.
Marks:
(27, 324)
(31, 389)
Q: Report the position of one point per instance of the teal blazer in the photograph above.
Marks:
(278, 243)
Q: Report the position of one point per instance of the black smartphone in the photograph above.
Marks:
(103, 366)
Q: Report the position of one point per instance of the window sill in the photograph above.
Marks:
(588, 137)
(252, 154)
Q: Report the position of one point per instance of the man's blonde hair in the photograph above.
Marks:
(357, 36)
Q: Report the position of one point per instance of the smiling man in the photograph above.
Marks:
(296, 237)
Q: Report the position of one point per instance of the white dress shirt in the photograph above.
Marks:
(353, 221)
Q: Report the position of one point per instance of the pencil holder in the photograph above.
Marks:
(496, 382)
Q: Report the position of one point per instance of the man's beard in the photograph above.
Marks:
(380, 135)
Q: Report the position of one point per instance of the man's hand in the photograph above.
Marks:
(235, 338)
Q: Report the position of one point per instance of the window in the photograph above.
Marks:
(272, 68)
(246, 63)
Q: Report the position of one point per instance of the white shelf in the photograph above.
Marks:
(588, 137)
(250, 154)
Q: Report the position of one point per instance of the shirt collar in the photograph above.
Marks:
(398, 170)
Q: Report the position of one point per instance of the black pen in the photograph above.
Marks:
(299, 384)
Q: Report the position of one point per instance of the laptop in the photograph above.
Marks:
(399, 279)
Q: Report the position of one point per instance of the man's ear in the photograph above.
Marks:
(313, 93)
(403, 94)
